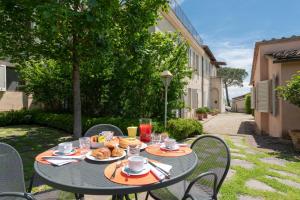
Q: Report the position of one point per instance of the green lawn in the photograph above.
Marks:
(29, 142)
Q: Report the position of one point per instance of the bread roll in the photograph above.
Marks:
(101, 153)
(125, 142)
(117, 152)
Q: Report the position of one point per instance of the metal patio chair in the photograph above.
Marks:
(12, 183)
(207, 178)
(103, 127)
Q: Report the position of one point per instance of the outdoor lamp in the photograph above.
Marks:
(166, 78)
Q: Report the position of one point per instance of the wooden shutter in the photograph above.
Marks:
(263, 96)
(2, 78)
(274, 95)
(253, 98)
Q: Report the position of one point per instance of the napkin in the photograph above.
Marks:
(60, 162)
(157, 173)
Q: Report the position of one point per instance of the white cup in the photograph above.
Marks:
(136, 163)
(65, 147)
(170, 143)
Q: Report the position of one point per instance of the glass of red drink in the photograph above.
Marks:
(145, 129)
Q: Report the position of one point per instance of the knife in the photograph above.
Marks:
(160, 169)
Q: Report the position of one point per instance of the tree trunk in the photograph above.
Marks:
(76, 92)
(227, 96)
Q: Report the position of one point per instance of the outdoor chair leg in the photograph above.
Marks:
(147, 196)
(79, 196)
(31, 183)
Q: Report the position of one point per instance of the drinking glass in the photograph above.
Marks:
(132, 131)
(84, 144)
(155, 138)
(133, 150)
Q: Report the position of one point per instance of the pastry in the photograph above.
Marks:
(101, 153)
(124, 142)
(111, 144)
(117, 152)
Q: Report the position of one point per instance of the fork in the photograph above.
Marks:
(118, 165)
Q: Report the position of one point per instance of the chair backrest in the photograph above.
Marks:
(103, 127)
(11, 170)
(213, 156)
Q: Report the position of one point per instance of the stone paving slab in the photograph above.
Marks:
(274, 161)
(238, 155)
(257, 185)
(242, 163)
(230, 174)
(285, 182)
(283, 173)
(246, 197)
(233, 150)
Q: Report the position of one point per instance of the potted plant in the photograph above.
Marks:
(207, 110)
(291, 93)
(215, 112)
(200, 113)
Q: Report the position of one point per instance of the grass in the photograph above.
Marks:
(29, 142)
(236, 185)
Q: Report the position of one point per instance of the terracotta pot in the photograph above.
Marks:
(295, 135)
(205, 115)
(200, 116)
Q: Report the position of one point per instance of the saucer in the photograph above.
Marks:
(128, 171)
(176, 147)
(57, 153)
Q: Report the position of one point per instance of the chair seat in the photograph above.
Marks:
(176, 192)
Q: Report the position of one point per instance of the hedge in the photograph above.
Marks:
(177, 128)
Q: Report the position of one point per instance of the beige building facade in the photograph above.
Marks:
(274, 63)
(204, 89)
(238, 104)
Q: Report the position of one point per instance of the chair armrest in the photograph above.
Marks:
(187, 195)
(24, 195)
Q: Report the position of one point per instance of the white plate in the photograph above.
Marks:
(57, 153)
(143, 146)
(163, 146)
(90, 157)
(143, 172)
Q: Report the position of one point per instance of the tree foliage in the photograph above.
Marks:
(78, 34)
(291, 92)
(232, 77)
(248, 109)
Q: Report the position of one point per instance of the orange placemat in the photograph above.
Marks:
(39, 158)
(156, 150)
(122, 178)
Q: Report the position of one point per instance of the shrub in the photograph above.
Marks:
(177, 128)
(291, 92)
(200, 110)
(207, 110)
(248, 104)
(183, 128)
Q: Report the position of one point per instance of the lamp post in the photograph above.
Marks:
(166, 78)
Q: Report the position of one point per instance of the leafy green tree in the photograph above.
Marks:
(74, 32)
(291, 92)
(232, 77)
(49, 83)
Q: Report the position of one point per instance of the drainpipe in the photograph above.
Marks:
(202, 82)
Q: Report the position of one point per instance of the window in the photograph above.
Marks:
(194, 98)
(2, 78)
(9, 79)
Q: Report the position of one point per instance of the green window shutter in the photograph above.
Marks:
(274, 95)
(253, 98)
(2, 78)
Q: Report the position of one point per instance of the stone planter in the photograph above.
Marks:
(204, 115)
(295, 135)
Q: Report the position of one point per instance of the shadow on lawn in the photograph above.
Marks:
(281, 148)
(29, 141)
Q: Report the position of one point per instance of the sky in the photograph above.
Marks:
(231, 27)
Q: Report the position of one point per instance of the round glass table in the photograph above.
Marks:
(87, 177)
